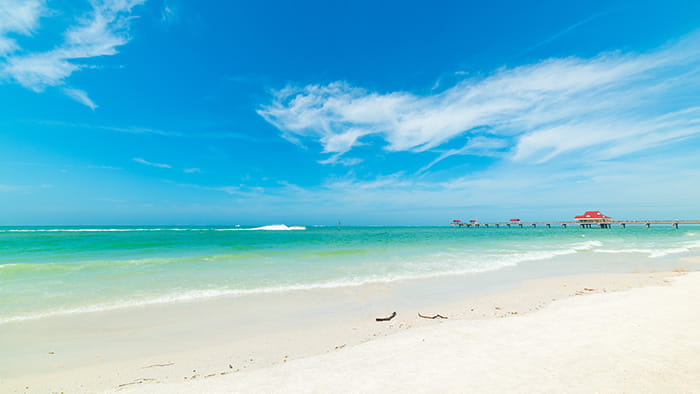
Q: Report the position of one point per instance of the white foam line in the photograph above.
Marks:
(275, 227)
(508, 261)
(654, 253)
(78, 230)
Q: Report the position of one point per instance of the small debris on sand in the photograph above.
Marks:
(137, 381)
(393, 315)
(157, 365)
(438, 316)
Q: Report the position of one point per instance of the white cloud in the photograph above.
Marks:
(240, 190)
(168, 14)
(345, 161)
(8, 188)
(609, 105)
(477, 146)
(192, 170)
(80, 96)
(148, 163)
(23, 188)
(19, 17)
(97, 33)
(104, 167)
(38, 71)
(563, 32)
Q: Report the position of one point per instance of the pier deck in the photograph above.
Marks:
(564, 224)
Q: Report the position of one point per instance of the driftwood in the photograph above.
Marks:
(433, 317)
(393, 315)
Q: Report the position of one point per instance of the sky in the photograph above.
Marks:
(368, 112)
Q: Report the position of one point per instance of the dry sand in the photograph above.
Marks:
(641, 340)
(572, 333)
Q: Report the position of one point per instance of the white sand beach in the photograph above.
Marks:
(634, 332)
(640, 340)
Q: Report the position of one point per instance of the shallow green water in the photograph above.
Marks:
(46, 271)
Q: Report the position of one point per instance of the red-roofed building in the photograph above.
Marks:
(592, 217)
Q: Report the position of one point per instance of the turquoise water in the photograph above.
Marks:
(47, 271)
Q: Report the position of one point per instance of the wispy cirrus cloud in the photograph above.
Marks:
(150, 163)
(80, 96)
(244, 191)
(193, 133)
(169, 14)
(22, 188)
(563, 32)
(610, 105)
(99, 167)
(19, 17)
(97, 33)
(8, 188)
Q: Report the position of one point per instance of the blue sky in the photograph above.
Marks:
(187, 112)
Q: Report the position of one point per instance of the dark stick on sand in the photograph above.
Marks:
(433, 317)
(386, 318)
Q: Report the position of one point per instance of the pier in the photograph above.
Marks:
(621, 223)
(589, 219)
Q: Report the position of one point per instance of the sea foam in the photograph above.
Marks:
(490, 263)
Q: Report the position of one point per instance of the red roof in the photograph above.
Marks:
(592, 215)
(472, 221)
(456, 221)
(514, 220)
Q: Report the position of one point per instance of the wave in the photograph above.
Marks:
(193, 295)
(273, 227)
(98, 230)
(277, 227)
(655, 253)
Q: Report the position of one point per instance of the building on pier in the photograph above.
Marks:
(593, 217)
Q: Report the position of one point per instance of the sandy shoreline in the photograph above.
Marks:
(229, 342)
(641, 340)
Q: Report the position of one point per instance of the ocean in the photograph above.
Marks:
(46, 271)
